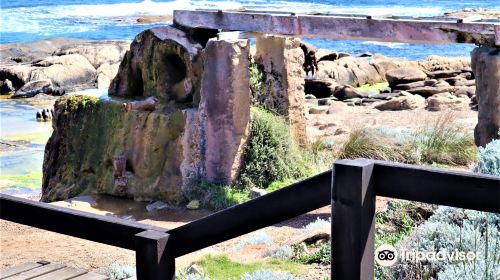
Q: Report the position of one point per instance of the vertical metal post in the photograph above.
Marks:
(153, 260)
(353, 220)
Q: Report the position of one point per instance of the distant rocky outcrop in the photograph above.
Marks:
(68, 64)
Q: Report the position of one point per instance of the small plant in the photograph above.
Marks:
(321, 256)
(257, 82)
(255, 239)
(488, 161)
(215, 196)
(119, 272)
(268, 275)
(319, 224)
(284, 252)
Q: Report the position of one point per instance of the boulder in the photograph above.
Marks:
(336, 107)
(163, 62)
(318, 110)
(97, 52)
(441, 74)
(404, 76)
(35, 87)
(427, 91)
(466, 91)
(65, 71)
(486, 66)
(447, 101)
(327, 55)
(405, 102)
(320, 88)
(351, 71)
(386, 96)
(442, 63)
(346, 92)
(105, 73)
(6, 87)
(426, 83)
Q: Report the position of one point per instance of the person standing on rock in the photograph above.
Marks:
(310, 61)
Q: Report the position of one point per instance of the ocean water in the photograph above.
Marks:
(22, 20)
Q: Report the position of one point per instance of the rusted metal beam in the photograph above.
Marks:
(394, 29)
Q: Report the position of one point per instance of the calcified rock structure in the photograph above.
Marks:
(486, 67)
(191, 122)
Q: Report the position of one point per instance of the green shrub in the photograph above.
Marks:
(257, 82)
(271, 155)
(321, 256)
(445, 142)
(488, 161)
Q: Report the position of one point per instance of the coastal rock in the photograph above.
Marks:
(466, 91)
(404, 76)
(346, 92)
(447, 101)
(6, 87)
(427, 91)
(97, 52)
(65, 71)
(320, 88)
(336, 107)
(35, 87)
(442, 63)
(105, 73)
(154, 19)
(486, 66)
(351, 71)
(441, 74)
(318, 110)
(405, 102)
(426, 83)
(327, 55)
(162, 62)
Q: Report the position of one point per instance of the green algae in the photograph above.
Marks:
(31, 181)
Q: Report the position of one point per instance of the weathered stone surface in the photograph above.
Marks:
(89, 134)
(105, 73)
(318, 110)
(486, 67)
(65, 71)
(405, 102)
(336, 107)
(163, 62)
(346, 92)
(328, 55)
(6, 87)
(351, 71)
(427, 91)
(428, 83)
(35, 87)
(282, 59)
(466, 91)
(225, 105)
(404, 76)
(447, 101)
(97, 52)
(442, 63)
(320, 88)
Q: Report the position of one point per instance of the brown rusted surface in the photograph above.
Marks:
(344, 27)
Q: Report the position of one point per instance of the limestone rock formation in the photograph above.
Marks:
(163, 62)
(406, 101)
(351, 71)
(486, 67)
(281, 59)
(447, 101)
(404, 76)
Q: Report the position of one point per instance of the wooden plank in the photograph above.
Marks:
(62, 274)
(411, 30)
(98, 228)
(267, 210)
(30, 274)
(18, 269)
(91, 276)
(438, 186)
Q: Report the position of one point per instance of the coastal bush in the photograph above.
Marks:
(268, 275)
(119, 272)
(284, 252)
(445, 141)
(255, 239)
(451, 229)
(271, 155)
(488, 161)
(257, 82)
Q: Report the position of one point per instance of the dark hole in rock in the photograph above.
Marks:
(128, 167)
(176, 68)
